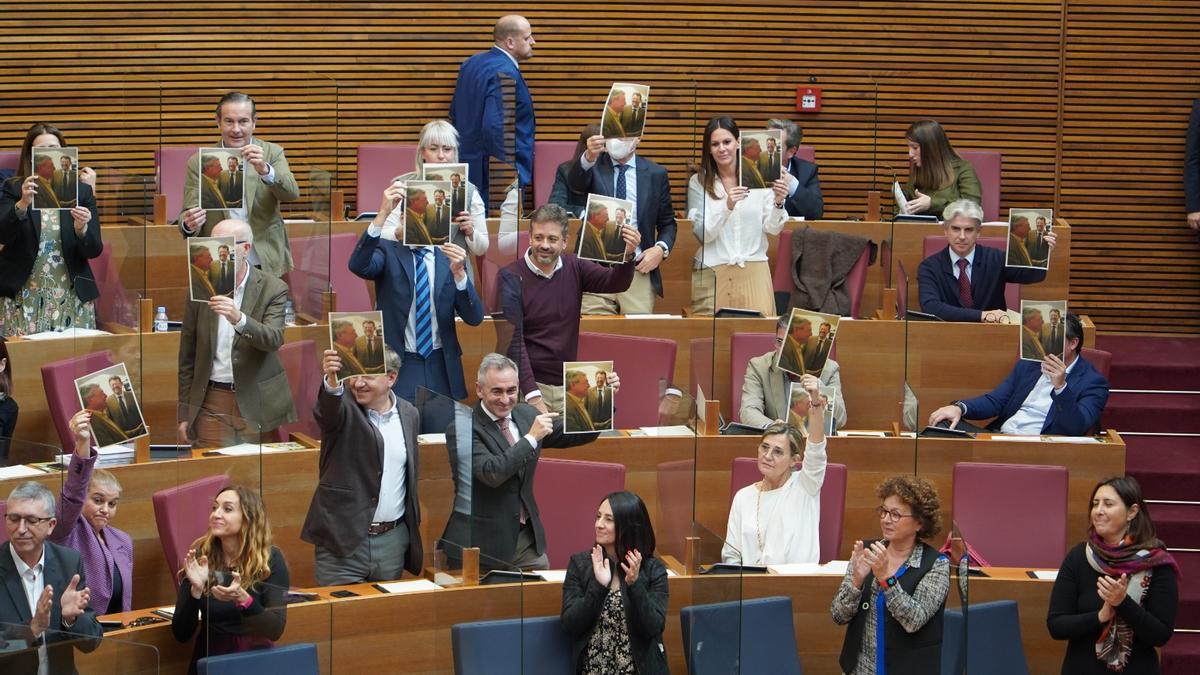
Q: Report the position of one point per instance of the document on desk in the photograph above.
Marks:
(431, 439)
(1071, 439)
(251, 449)
(1015, 439)
(832, 568)
(19, 471)
(653, 316)
(408, 586)
(1044, 575)
(674, 430)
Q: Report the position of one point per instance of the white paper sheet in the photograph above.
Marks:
(19, 471)
(410, 586)
(831, 568)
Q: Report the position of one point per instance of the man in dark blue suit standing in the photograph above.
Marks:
(613, 168)
(804, 196)
(1055, 397)
(487, 127)
(419, 290)
(979, 296)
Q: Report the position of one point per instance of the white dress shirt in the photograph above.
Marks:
(732, 237)
(1031, 416)
(222, 368)
(392, 488)
(33, 580)
(558, 264)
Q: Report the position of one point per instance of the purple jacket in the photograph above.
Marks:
(73, 531)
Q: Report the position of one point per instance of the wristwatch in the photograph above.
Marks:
(666, 252)
(961, 406)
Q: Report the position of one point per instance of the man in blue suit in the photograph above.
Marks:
(419, 290)
(804, 194)
(1048, 397)
(478, 110)
(980, 297)
(613, 168)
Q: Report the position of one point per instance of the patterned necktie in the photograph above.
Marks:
(621, 192)
(424, 329)
(503, 424)
(964, 285)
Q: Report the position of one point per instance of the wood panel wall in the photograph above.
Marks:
(1088, 100)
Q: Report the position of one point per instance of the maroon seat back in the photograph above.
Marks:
(781, 274)
(856, 281)
(833, 501)
(500, 254)
(378, 164)
(1027, 532)
(567, 492)
(59, 377)
(113, 305)
(934, 243)
(353, 295)
(1100, 360)
(987, 165)
(742, 348)
(700, 368)
(181, 513)
(170, 167)
(807, 152)
(304, 377)
(676, 495)
(9, 159)
(547, 155)
(645, 366)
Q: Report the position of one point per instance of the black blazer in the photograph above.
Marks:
(939, 288)
(350, 467)
(655, 217)
(20, 237)
(645, 610)
(562, 194)
(61, 563)
(806, 201)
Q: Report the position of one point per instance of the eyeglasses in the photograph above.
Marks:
(31, 521)
(891, 515)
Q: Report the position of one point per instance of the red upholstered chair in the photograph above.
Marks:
(378, 164)
(833, 501)
(781, 273)
(353, 294)
(9, 159)
(676, 494)
(59, 378)
(547, 155)
(567, 493)
(1012, 292)
(115, 308)
(700, 368)
(500, 254)
(304, 377)
(1004, 537)
(856, 281)
(807, 152)
(1100, 360)
(987, 165)
(170, 167)
(643, 363)
(181, 513)
(742, 348)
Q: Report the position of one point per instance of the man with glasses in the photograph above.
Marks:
(47, 598)
(765, 388)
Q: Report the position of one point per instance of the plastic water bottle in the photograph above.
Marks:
(289, 314)
(160, 320)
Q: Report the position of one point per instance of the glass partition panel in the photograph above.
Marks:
(82, 648)
(278, 614)
(711, 605)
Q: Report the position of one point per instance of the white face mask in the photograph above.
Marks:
(620, 148)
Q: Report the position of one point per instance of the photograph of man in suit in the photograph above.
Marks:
(201, 266)
(1053, 337)
(804, 187)
(220, 271)
(487, 123)
(345, 337)
(600, 402)
(1018, 256)
(1035, 243)
(232, 385)
(600, 238)
(765, 386)
(231, 183)
(66, 181)
(458, 194)
(211, 195)
(365, 516)
(751, 177)
(123, 409)
(795, 352)
(416, 231)
(106, 430)
(368, 349)
(1031, 330)
(634, 115)
(266, 183)
(508, 437)
(818, 349)
(438, 220)
(45, 197)
(610, 122)
(577, 418)
(770, 162)
(44, 615)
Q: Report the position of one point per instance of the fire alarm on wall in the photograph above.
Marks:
(808, 99)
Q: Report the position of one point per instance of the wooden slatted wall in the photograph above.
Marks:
(124, 77)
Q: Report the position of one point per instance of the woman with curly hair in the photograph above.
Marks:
(898, 581)
(234, 581)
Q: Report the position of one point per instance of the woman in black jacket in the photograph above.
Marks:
(46, 282)
(616, 616)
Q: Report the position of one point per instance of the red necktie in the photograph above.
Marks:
(964, 284)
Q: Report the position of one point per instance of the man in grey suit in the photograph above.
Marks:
(365, 516)
(232, 385)
(44, 615)
(507, 439)
(765, 388)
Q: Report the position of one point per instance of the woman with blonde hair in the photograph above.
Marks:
(234, 581)
(937, 175)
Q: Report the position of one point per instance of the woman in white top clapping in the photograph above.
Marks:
(777, 519)
(732, 223)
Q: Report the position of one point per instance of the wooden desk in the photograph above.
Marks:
(358, 634)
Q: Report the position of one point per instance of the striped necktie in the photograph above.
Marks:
(424, 328)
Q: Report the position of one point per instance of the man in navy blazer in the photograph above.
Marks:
(938, 276)
(1047, 397)
(391, 266)
(597, 171)
(804, 194)
(478, 110)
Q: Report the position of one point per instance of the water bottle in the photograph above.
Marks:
(289, 314)
(160, 320)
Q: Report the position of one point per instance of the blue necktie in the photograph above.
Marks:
(620, 192)
(424, 327)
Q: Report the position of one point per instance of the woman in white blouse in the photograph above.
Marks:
(777, 520)
(732, 223)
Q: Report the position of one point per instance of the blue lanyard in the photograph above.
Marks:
(880, 615)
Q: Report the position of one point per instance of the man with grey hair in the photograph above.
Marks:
(365, 516)
(507, 438)
(1031, 334)
(804, 198)
(232, 385)
(965, 282)
(47, 599)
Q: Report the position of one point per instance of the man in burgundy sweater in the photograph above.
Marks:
(541, 295)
